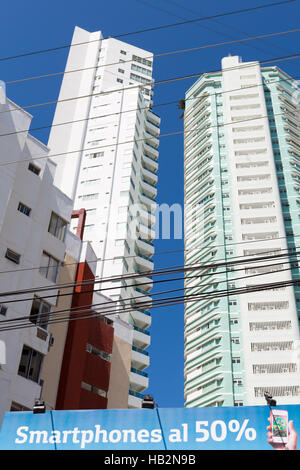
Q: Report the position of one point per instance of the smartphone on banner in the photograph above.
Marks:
(279, 425)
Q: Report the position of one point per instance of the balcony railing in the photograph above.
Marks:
(140, 372)
(136, 394)
(141, 351)
(141, 331)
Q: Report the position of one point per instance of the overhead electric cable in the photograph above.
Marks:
(153, 28)
(162, 54)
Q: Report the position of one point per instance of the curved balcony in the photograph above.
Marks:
(151, 150)
(141, 339)
(142, 319)
(149, 163)
(144, 247)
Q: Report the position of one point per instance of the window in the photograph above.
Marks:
(12, 256)
(39, 314)
(49, 267)
(57, 226)
(87, 197)
(121, 70)
(3, 309)
(123, 52)
(119, 80)
(30, 364)
(236, 360)
(17, 407)
(24, 209)
(93, 389)
(98, 352)
(36, 170)
(141, 60)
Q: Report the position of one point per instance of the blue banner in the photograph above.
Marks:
(224, 428)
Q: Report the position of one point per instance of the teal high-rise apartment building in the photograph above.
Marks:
(242, 231)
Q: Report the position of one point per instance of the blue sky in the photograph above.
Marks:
(35, 25)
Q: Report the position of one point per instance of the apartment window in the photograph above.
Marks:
(12, 256)
(141, 69)
(24, 209)
(88, 197)
(93, 389)
(236, 360)
(57, 226)
(99, 353)
(40, 312)
(119, 80)
(18, 407)
(95, 155)
(36, 170)
(121, 71)
(49, 267)
(142, 60)
(30, 364)
(238, 403)
(138, 78)
(123, 52)
(3, 309)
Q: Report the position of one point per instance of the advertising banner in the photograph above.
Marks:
(227, 428)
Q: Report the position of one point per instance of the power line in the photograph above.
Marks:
(170, 134)
(132, 110)
(170, 80)
(151, 29)
(179, 269)
(160, 303)
(163, 54)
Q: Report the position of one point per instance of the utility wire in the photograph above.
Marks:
(181, 269)
(154, 28)
(152, 83)
(169, 301)
(136, 109)
(162, 54)
(101, 147)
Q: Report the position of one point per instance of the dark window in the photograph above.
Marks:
(57, 226)
(39, 314)
(3, 309)
(24, 209)
(30, 364)
(34, 169)
(12, 256)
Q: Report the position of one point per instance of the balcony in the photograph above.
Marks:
(146, 217)
(141, 338)
(150, 163)
(138, 380)
(143, 263)
(139, 358)
(152, 128)
(141, 319)
(151, 139)
(150, 150)
(153, 117)
(148, 190)
(149, 176)
(135, 399)
(148, 202)
(145, 283)
(144, 247)
(145, 232)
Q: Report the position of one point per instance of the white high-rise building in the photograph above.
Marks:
(241, 225)
(104, 140)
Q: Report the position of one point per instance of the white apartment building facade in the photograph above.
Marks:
(241, 225)
(106, 159)
(33, 219)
